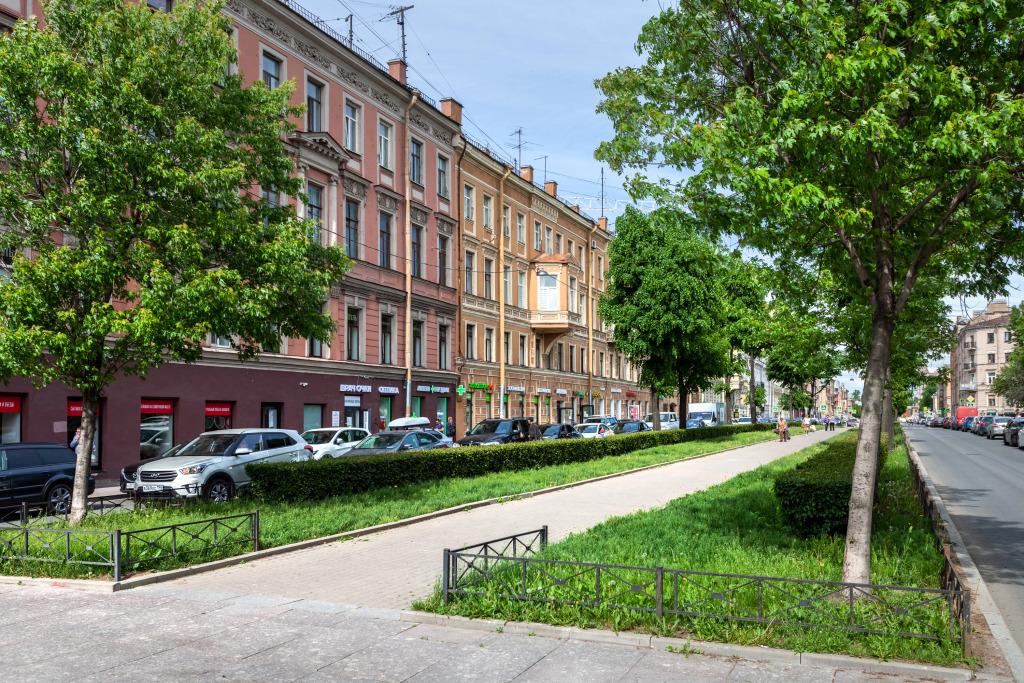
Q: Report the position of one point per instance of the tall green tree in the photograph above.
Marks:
(925, 404)
(872, 139)
(132, 167)
(665, 298)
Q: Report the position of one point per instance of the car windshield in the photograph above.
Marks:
(588, 429)
(316, 437)
(551, 431)
(173, 450)
(623, 427)
(492, 427)
(382, 440)
(211, 444)
(1002, 420)
(690, 424)
(700, 416)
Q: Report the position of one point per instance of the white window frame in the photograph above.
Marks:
(520, 228)
(443, 177)
(353, 127)
(385, 144)
(489, 344)
(506, 221)
(324, 102)
(548, 232)
(468, 202)
(537, 240)
(521, 289)
(219, 342)
(279, 58)
(488, 211)
(469, 278)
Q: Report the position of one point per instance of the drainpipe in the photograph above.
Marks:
(501, 292)
(591, 318)
(457, 257)
(408, 257)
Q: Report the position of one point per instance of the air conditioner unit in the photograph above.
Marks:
(593, 244)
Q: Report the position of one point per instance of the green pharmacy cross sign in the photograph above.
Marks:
(461, 390)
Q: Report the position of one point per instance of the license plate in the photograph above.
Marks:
(152, 487)
(129, 486)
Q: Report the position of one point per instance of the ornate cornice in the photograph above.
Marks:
(355, 188)
(387, 200)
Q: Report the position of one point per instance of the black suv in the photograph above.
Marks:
(38, 473)
(490, 432)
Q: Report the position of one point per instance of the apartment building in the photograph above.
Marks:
(983, 344)
(531, 269)
(395, 311)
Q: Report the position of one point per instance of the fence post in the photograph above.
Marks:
(544, 537)
(117, 554)
(24, 513)
(965, 612)
(658, 574)
(256, 530)
(445, 575)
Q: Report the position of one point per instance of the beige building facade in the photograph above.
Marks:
(983, 344)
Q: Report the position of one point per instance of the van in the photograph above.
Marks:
(963, 412)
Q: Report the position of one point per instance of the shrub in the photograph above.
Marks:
(814, 497)
(317, 479)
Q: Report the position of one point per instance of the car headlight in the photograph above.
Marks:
(195, 469)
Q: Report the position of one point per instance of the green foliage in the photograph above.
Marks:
(814, 497)
(328, 477)
(925, 404)
(1010, 381)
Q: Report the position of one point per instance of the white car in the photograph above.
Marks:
(213, 464)
(594, 430)
(334, 441)
(669, 420)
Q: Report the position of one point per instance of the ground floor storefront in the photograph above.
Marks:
(177, 402)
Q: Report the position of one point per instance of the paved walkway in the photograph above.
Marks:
(393, 568)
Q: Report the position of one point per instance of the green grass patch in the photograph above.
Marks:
(736, 528)
(284, 523)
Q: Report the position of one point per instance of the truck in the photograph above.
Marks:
(961, 413)
(709, 412)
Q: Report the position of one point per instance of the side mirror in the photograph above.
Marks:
(243, 450)
(406, 447)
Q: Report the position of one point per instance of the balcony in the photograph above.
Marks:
(968, 386)
(970, 365)
(970, 345)
(553, 321)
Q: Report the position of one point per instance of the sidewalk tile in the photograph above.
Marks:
(658, 667)
(584, 662)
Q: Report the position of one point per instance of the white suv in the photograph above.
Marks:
(213, 464)
(669, 420)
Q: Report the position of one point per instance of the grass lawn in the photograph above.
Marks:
(283, 523)
(735, 527)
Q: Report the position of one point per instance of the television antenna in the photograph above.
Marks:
(400, 13)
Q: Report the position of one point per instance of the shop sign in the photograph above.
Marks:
(543, 391)
(11, 404)
(480, 385)
(335, 418)
(353, 401)
(75, 407)
(215, 409)
(563, 392)
(513, 387)
(157, 407)
(630, 393)
(616, 391)
(461, 390)
(387, 390)
(355, 388)
(424, 389)
(595, 394)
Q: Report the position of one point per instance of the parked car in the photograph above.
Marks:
(212, 465)
(594, 430)
(333, 441)
(852, 422)
(996, 427)
(129, 473)
(980, 425)
(604, 419)
(38, 474)
(396, 442)
(669, 420)
(493, 432)
(947, 422)
(559, 431)
(1011, 432)
(406, 423)
(696, 424)
(630, 427)
(966, 425)
(742, 421)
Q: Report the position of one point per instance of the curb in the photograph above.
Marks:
(996, 623)
(640, 640)
(173, 574)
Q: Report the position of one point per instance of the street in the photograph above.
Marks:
(981, 482)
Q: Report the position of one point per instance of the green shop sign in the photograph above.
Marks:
(479, 385)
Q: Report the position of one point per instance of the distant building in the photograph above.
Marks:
(983, 345)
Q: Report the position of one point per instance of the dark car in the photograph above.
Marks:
(38, 474)
(559, 431)
(947, 422)
(129, 472)
(1011, 433)
(630, 427)
(492, 432)
(395, 442)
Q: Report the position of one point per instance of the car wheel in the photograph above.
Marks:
(58, 499)
(218, 490)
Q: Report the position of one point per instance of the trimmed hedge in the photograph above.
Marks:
(318, 479)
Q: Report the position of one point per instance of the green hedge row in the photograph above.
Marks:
(318, 479)
(814, 497)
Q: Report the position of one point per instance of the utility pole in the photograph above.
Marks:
(351, 32)
(602, 192)
(400, 11)
(519, 133)
(545, 158)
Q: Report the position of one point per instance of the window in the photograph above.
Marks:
(442, 347)
(547, 240)
(1007, 336)
(1006, 356)
(384, 242)
(487, 212)
(314, 348)
(312, 417)
(583, 308)
(467, 200)
(561, 354)
(417, 343)
(352, 126)
(220, 342)
(270, 197)
(547, 293)
(314, 106)
(387, 323)
(568, 246)
(600, 360)
(352, 334)
(536, 235)
(351, 228)
(271, 71)
(489, 345)
(572, 358)
(315, 209)
(600, 268)
(536, 353)
(161, 5)
(470, 342)
(442, 261)
(991, 358)
(470, 258)
(508, 337)
(991, 377)
(384, 144)
(583, 266)
(522, 289)
(416, 162)
(521, 228)
(991, 338)
(156, 425)
(507, 284)
(442, 176)
(583, 360)
(522, 350)
(488, 264)
(417, 236)
(505, 221)
(558, 244)
(572, 294)
(991, 400)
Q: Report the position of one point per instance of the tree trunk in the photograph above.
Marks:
(857, 559)
(752, 394)
(790, 397)
(887, 417)
(83, 461)
(683, 403)
(656, 413)
(728, 398)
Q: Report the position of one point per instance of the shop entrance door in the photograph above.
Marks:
(270, 415)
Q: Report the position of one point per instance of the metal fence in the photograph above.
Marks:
(504, 568)
(120, 550)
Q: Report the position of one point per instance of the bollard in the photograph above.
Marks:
(445, 575)
(116, 539)
(658, 608)
(256, 531)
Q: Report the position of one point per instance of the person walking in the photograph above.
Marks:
(826, 423)
(806, 424)
(449, 428)
(534, 430)
(781, 428)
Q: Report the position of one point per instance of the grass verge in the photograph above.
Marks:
(736, 528)
(284, 523)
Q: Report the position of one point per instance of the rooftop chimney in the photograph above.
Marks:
(602, 223)
(575, 208)
(551, 187)
(396, 68)
(526, 172)
(452, 109)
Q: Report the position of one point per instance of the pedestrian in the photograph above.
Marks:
(534, 430)
(806, 425)
(438, 427)
(826, 423)
(75, 439)
(781, 428)
(449, 428)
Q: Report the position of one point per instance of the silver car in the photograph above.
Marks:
(980, 425)
(996, 427)
(334, 441)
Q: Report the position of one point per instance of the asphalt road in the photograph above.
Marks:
(981, 481)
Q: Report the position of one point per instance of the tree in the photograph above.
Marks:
(748, 320)
(925, 404)
(874, 140)
(132, 167)
(665, 299)
(1009, 382)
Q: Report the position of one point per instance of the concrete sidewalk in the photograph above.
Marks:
(393, 568)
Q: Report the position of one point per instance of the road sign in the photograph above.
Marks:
(970, 400)
(824, 407)
(461, 390)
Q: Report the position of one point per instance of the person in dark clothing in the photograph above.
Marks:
(449, 428)
(534, 430)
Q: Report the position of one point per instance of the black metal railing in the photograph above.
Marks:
(504, 568)
(120, 550)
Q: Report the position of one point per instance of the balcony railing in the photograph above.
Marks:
(969, 365)
(968, 386)
(970, 345)
(554, 318)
